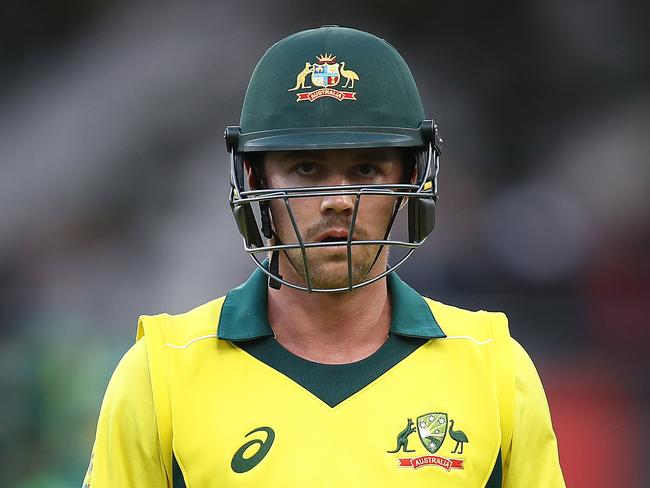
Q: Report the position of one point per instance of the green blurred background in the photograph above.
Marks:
(113, 187)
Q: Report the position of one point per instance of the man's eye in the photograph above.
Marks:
(367, 170)
(306, 169)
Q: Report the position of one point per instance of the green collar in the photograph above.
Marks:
(243, 315)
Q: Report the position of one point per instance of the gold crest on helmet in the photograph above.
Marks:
(325, 74)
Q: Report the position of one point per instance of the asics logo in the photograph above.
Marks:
(241, 464)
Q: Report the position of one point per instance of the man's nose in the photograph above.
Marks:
(337, 203)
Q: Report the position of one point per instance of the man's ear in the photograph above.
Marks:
(254, 182)
(412, 180)
(414, 174)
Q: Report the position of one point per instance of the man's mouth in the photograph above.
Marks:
(334, 235)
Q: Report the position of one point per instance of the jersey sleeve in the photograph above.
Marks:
(533, 459)
(127, 452)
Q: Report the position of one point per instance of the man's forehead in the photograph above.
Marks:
(366, 154)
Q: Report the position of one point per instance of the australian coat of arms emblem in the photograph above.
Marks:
(324, 75)
(432, 429)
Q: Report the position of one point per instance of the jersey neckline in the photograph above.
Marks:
(244, 312)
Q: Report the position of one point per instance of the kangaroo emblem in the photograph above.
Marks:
(302, 77)
(402, 438)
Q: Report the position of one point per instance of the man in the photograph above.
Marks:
(324, 368)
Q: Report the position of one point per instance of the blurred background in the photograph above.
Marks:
(113, 197)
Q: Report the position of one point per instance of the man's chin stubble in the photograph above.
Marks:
(322, 278)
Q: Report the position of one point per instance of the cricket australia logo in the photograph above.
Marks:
(432, 429)
(325, 74)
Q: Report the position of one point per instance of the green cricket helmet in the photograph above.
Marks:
(332, 88)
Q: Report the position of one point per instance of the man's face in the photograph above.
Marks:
(327, 218)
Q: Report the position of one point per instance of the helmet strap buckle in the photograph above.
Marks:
(274, 269)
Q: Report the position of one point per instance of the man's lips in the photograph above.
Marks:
(333, 235)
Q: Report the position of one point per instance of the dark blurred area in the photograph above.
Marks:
(113, 197)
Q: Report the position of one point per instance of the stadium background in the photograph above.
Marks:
(113, 197)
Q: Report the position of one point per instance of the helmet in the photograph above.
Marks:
(331, 88)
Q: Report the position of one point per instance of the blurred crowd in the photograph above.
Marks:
(113, 197)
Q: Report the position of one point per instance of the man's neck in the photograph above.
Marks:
(331, 328)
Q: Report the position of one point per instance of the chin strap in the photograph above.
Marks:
(274, 268)
(265, 214)
(269, 233)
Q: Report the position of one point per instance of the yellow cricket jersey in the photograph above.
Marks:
(208, 398)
